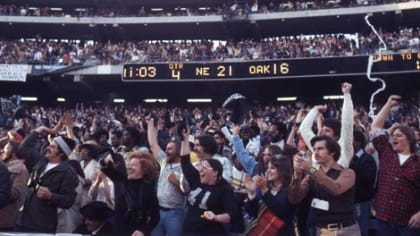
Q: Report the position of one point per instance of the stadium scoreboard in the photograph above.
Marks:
(271, 69)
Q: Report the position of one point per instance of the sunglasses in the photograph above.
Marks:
(279, 157)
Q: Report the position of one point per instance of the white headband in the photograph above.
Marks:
(63, 145)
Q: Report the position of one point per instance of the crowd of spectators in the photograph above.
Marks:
(229, 9)
(89, 116)
(66, 52)
(111, 138)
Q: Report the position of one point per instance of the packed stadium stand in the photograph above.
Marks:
(68, 63)
(101, 50)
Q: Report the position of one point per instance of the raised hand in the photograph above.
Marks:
(261, 182)
(43, 130)
(321, 108)
(393, 100)
(301, 163)
(250, 185)
(235, 130)
(346, 88)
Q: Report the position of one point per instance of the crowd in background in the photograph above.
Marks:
(229, 9)
(142, 165)
(111, 116)
(53, 52)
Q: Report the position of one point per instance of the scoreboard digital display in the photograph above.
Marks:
(271, 69)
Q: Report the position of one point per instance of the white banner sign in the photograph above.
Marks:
(14, 72)
(6, 105)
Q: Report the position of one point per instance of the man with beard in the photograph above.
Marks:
(51, 185)
(19, 176)
(170, 190)
(222, 148)
(277, 134)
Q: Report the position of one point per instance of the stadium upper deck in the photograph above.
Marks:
(104, 83)
(267, 20)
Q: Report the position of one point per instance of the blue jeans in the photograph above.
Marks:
(388, 229)
(170, 223)
(363, 215)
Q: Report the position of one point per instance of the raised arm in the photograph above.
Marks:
(69, 123)
(295, 126)
(227, 133)
(189, 171)
(27, 149)
(247, 161)
(379, 121)
(113, 166)
(347, 124)
(152, 137)
(59, 125)
(305, 128)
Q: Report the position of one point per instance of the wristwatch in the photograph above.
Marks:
(312, 170)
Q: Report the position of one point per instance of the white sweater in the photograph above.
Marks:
(346, 137)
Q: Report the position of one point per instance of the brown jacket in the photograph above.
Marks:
(19, 175)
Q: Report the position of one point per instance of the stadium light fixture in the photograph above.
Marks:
(333, 97)
(199, 100)
(286, 99)
(119, 100)
(155, 100)
(29, 99)
(156, 9)
(150, 100)
(61, 100)
(56, 9)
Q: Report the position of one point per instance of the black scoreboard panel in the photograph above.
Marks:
(271, 69)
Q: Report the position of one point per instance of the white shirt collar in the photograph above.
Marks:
(359, 153)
